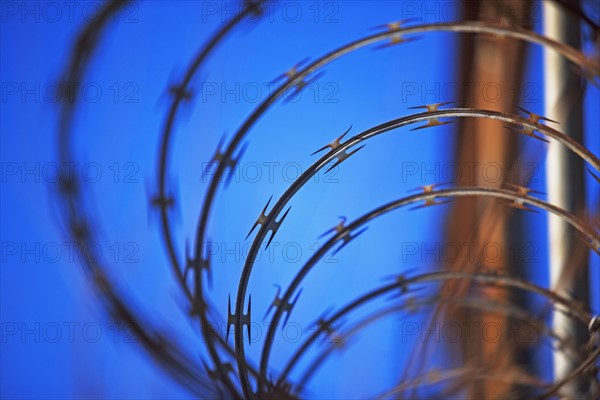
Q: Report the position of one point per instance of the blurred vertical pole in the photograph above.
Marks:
(565, 178)
(487, 61)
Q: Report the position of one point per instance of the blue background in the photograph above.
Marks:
(145, 50)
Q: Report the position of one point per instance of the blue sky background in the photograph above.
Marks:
(118, 127)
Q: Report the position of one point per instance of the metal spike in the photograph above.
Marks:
(335, 144)
(338, 228)
(522, 190)
(197, 265)
(275, 302)
(325, 326)
(289, 307)
(429, 188)
(245, 318)
(340, 342)
(346, 238)
(198, 306)
(394, 25)
(228, 162)
(395, 277)
(302, 84)
(290, 73)
(395, 39)
(390, 26)
(162, 201)
(273, 225)
(218, 156)
(262, 218)
(520, 205)
(527, 131)
(180, 93)
(343, 156)
(531, 133)
(284, 307)
(432, 122)
(235, 161)
(401, 281)
(431, 107)
(535, 118)
(411, 305)
(432, 201)
(404, 289)
(232, 163)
